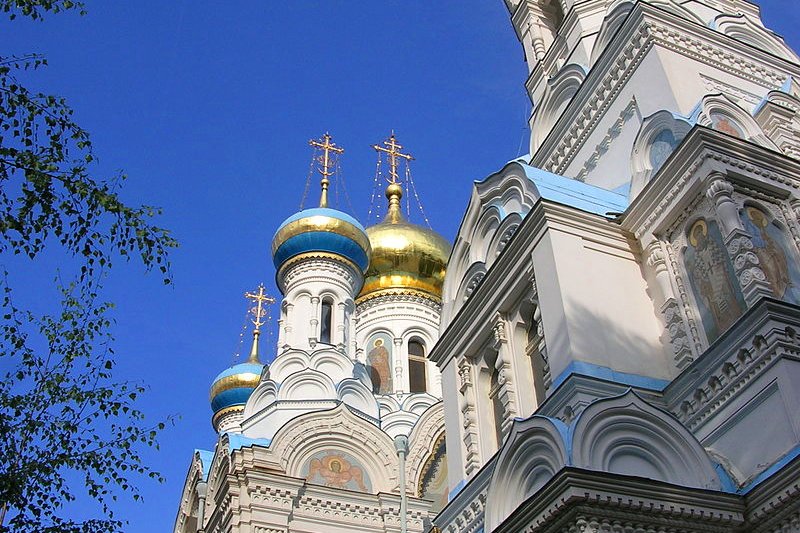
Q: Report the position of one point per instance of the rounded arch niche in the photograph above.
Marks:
(626, 435)
(533, 453)
(351, 454)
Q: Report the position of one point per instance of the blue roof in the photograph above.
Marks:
(574, 193)
(322, 211)
(206, 457)
(237, 441)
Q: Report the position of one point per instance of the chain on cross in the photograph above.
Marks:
(258, 311)
(393, 151)
(325, 161)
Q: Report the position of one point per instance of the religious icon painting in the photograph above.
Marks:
(337, 469)
(712, 278)
(774, 253)
(379, 363)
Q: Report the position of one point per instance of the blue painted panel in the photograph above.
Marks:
(574, 193)
(609, 374)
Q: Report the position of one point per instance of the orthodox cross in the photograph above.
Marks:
(393, 151)
(325, 160)
(258, 311)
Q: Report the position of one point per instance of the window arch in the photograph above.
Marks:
(659, 135)
(417, 374)
(326, 321)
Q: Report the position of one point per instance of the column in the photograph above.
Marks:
(313, 333)
(400, 358)
(752, 280)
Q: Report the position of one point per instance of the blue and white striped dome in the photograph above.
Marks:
(321, 229)
(232, 388)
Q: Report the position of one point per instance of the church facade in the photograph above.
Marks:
(611, 345)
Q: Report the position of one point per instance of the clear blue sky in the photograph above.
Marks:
(208, 107)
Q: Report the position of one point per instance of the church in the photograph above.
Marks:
(611, 344)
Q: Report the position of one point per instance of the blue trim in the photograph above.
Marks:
(237, 441)
(455, 491)
(728, 485)
(321, 241)
(206, 458)
(777, 465)
(785, 88)
(322, 211)
(231, 397)
(608, 374)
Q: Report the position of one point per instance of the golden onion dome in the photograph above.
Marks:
(405, 258)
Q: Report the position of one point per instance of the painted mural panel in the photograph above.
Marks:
(337, 469)
(774, 252)
(726, 125)
(661, 148)
(379, 362)
(433, 482)
(712, 278)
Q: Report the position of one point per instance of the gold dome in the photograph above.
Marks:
(405, 257)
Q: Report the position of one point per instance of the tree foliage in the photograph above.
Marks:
(67, 426)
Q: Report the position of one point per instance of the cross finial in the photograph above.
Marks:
(393, 151)
(324, 160)
(258, 313)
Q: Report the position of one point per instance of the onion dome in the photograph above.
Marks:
(406, 258)
(321, 231)
(233, 386)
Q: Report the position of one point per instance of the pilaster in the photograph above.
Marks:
(469, 417)
(669, 306)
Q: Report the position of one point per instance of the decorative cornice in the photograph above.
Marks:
(644, 502)
(322, 261)
(737, 358)
(377, 298)
(673, 186)
(644, 27)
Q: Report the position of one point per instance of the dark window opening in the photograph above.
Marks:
(326, 317)
(417, 378)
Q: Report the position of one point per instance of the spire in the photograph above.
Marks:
(325, 161)
(394, 191)
(258, 312)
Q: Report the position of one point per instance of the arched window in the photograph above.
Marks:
(326, 320)
(417, 377)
